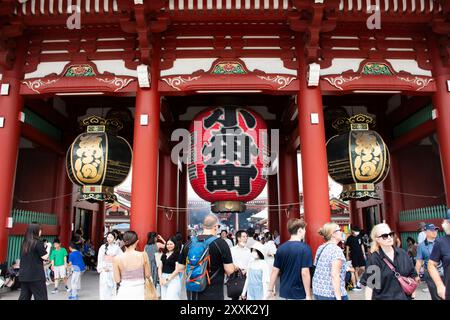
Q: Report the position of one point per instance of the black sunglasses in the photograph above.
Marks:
(386, 235)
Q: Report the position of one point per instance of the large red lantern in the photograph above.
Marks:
(227, 164)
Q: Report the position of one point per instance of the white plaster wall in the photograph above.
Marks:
(114, 66)
(410, 66)
(46, 68)
(340, 65)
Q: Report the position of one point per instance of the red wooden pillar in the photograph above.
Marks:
(63, 204)
(353, 213)
(314, 155)
(441, 98)
(288, 192)
(10, 108)
(94, 227)
(274, 212)
(167, 196)
(145, 155)
(182, 202)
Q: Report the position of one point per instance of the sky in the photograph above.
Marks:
(335, 188)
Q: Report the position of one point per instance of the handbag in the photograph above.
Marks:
(408, 284)
(149, 287)
(150, 290)
(235, 284)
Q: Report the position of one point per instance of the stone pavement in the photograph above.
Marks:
(89, 291)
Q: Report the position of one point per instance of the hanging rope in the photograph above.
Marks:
(281, 206)
(46, 199)
(414, 195)
(166, 213)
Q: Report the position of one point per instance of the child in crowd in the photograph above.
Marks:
(58, 259)
(77, 266)
(258, 275)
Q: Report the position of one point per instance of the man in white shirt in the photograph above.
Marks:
(422, 235)
(224, 236)
(241, 254)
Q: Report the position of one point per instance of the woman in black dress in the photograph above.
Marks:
(31, 274)
(379, 279)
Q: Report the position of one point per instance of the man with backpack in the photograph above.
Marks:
(205, 259)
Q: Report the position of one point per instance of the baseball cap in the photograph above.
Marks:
(431, 227)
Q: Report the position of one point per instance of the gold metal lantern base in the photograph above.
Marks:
(359, 191)
(228, 206)
(97, 193)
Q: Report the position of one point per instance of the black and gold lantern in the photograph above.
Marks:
(357, 157)
(98, 159)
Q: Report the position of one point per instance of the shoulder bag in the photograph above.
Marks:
(235, 284)
(408, 284)
(313, 268)
(150, 292)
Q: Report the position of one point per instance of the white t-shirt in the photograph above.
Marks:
(421, 237)
(106, 260)
(256, 265)
(271, 249)
(241, 257)
(229, 242)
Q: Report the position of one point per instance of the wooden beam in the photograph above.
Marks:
(19, 229)
(418, 133)
(46, 111)
(409, 107)
(42, 139)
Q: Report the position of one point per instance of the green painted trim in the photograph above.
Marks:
(426, 213)
(15, 246)
(413, 121)
(376, 69)
(237, 69)
(25, 216)
(42, 125)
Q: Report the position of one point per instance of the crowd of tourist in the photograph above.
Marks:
(245, 265)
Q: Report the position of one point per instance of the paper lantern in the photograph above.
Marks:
(357, 158)
(98, 160)
(227, 164)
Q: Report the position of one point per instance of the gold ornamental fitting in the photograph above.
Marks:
(356, 122)
(99, 124)
(358, 187)
(97, 189)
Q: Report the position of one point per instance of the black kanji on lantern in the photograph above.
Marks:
(228, 118)
(229, 177)
(227, 147)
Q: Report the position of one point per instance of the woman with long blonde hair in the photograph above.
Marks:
(380, 281)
